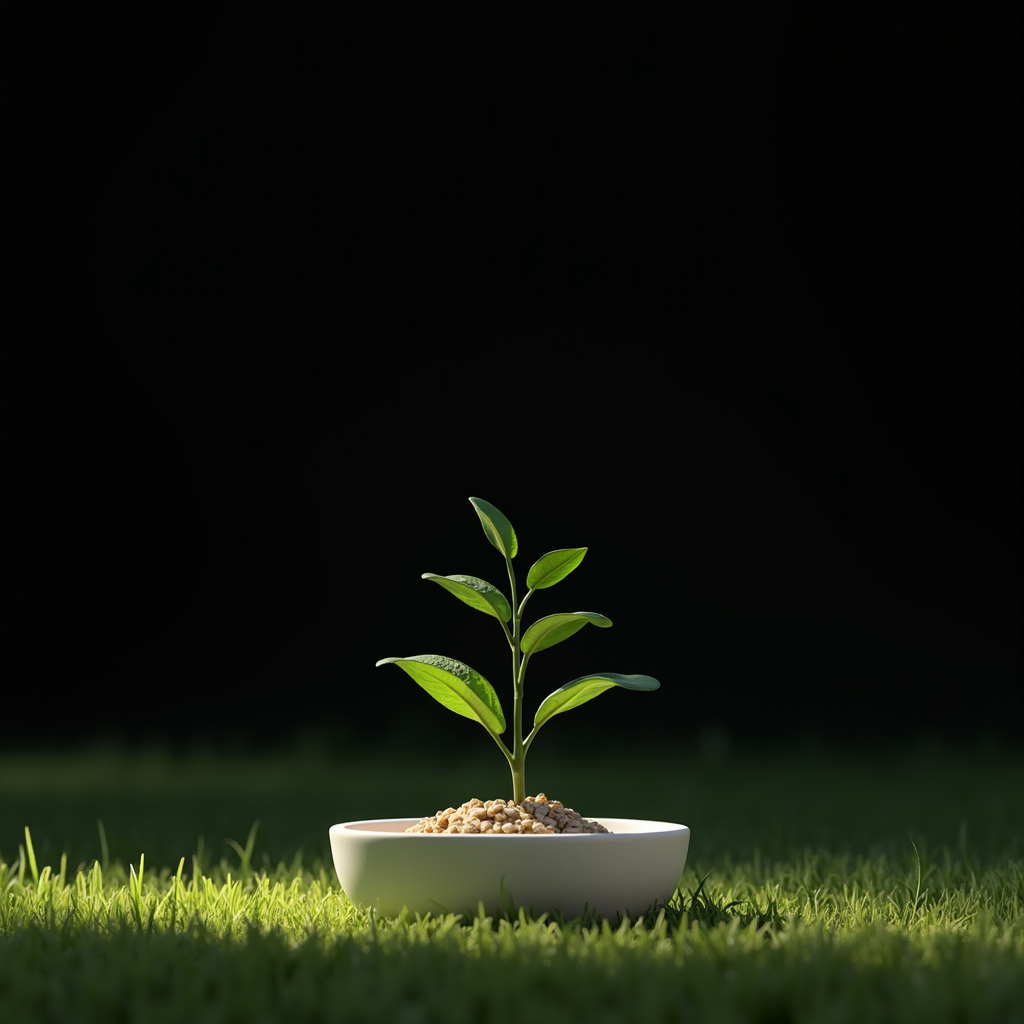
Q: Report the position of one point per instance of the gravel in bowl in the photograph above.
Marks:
(535, 816)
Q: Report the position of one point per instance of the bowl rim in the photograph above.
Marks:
(365, 826)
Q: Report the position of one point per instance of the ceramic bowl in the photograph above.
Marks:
(627, 870)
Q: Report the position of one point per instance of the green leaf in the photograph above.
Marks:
(579, 691)
(554, 566)
(476, 593)
(553, 629)
(458, 687)
(497, 528)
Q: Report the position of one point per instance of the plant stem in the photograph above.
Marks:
(518, 758)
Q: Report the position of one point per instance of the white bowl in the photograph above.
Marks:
(626, 870)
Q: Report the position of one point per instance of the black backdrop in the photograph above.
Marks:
(728, 292)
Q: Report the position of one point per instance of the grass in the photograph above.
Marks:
(880, 885)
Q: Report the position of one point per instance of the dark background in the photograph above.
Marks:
(730, 293)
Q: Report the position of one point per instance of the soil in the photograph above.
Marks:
(535, 816)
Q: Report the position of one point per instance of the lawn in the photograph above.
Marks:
(879, 883)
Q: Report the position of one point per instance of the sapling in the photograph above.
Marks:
(466, 692)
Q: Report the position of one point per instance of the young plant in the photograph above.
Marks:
(464, 691)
